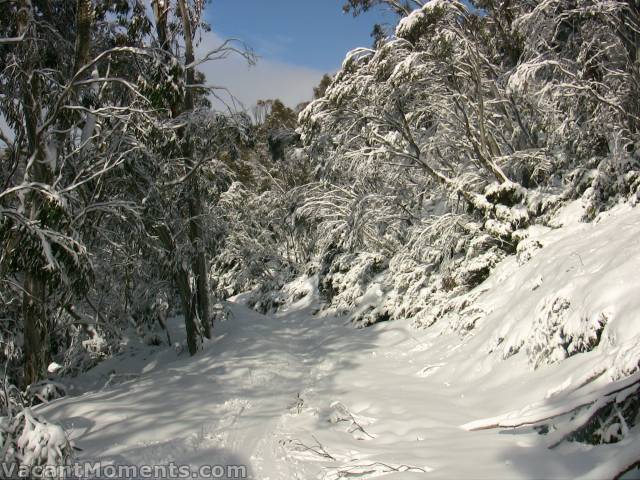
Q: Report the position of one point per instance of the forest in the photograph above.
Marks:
(469, 182)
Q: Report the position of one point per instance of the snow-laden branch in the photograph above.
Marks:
(539, 413)
(13, 40)
(52, 114)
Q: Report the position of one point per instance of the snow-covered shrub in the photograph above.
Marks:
(412, 289)
(44, 391)
(263, 240)
(149, 314)
(28, 440)
(38, 442)
(267, 297)
(526, 250)
(558, 332)
(475, 270)
(611, 422)
(10, 342)
(614, 178)
(11, 399)
(85, 350)
(345, 279)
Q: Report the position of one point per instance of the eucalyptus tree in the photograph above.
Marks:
(580, 68)
(101, 100)
(177, 26)
(59, 97)
(399, 7)
(430, 99)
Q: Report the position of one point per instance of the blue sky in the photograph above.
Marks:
(297, 41)
(310, 33)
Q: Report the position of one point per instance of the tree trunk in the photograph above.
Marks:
(34, 312)
(199, 262)
(84, 18)
(36, 330)
(195, 304)
(37, 341)
(189, 307)
(181, 280)
(196, 232)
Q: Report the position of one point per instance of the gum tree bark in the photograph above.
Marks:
(196, 231)
(34, 312)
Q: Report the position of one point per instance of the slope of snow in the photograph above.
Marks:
(298, 396)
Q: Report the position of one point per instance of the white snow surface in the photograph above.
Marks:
(302, 396)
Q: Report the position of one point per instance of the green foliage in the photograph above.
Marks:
(321, 89)
(399, 7)
(162, 83)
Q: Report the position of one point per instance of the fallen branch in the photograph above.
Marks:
(342, 413)
(517, 420)
(318, 449)
(372, 468)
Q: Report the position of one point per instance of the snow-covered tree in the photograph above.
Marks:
(109, 130)
(470, 124)
(60, 97)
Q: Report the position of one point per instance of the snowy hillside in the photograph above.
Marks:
(298, 395)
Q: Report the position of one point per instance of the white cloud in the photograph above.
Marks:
(269, 79)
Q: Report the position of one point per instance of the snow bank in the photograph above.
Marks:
(576, 293)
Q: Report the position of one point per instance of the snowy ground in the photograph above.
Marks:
(296, 395)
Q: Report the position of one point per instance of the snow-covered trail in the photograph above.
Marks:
(263, 394)
(262, 391)
(302, 396)
(222, 407)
